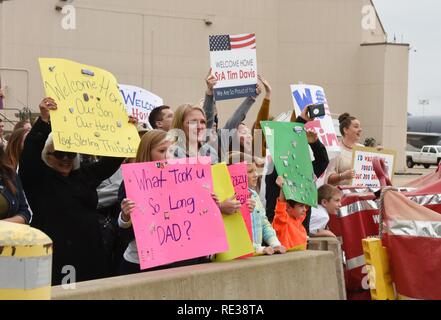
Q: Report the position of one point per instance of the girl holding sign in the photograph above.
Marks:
(154, 146)
(262, 231)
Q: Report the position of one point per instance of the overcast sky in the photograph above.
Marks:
(417, 22)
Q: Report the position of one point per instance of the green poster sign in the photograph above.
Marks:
(290, 152)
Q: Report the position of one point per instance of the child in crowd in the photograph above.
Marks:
(329, 201)
(262, 230)
(288, 219)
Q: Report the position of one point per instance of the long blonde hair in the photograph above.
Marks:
(150, 140)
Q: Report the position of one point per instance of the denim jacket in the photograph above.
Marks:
(17, 204)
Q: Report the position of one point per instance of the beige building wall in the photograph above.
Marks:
(396, 93)
(163, 47)
(383, 93)
(375, 32)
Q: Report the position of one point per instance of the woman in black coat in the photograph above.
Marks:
(63, 198)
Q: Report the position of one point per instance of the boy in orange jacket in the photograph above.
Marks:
(288, 219)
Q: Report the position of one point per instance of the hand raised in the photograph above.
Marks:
(311, 136)
(45, 105)
(210, 81)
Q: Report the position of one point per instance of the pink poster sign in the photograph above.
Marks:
(175, 217)
(239, 177)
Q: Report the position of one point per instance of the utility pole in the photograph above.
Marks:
(424, 103)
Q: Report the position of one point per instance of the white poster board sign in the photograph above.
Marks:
(304, 95)
(362, 165)
(234, 64)
(139, 102)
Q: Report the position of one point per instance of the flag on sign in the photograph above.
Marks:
(231, 42)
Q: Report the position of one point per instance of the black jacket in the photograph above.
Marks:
(272, 190)
(65, 207)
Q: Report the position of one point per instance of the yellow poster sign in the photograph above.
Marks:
(91, 117)
(237, 234)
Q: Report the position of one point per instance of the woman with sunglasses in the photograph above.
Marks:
(62, 195)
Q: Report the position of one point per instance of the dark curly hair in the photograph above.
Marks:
(345, 121)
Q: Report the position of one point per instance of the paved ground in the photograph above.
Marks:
(411, 174)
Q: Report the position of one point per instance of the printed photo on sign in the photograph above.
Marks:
(304, 95)
(362, 165)
(175, 217)
(139, 102)
(91, 117)
(234, 64)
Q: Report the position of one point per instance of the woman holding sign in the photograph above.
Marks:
(222, 140)
(191, 125)
(63, 198)
(340, 170)
(154, 146)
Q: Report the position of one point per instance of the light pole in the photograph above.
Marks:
(424, 102)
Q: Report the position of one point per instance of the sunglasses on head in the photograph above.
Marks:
(61, 154)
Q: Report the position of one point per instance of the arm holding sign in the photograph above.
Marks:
(335, 177)
(263, 114)
(280, 214)
(106, 166)
(241, 112)
(32, 168)
(102, 170)
(233, 123)
(288, 221)
(321, 161)
(125, 220)
(209, 99)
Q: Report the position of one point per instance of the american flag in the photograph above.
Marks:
(230, 42)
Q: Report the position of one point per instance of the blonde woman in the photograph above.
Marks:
(189, 128)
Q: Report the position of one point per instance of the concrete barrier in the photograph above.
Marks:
(295, 275)
(332, 245)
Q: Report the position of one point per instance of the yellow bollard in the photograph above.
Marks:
(25, 263)
(377, 263)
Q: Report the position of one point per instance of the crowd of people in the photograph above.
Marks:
(81, 204)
